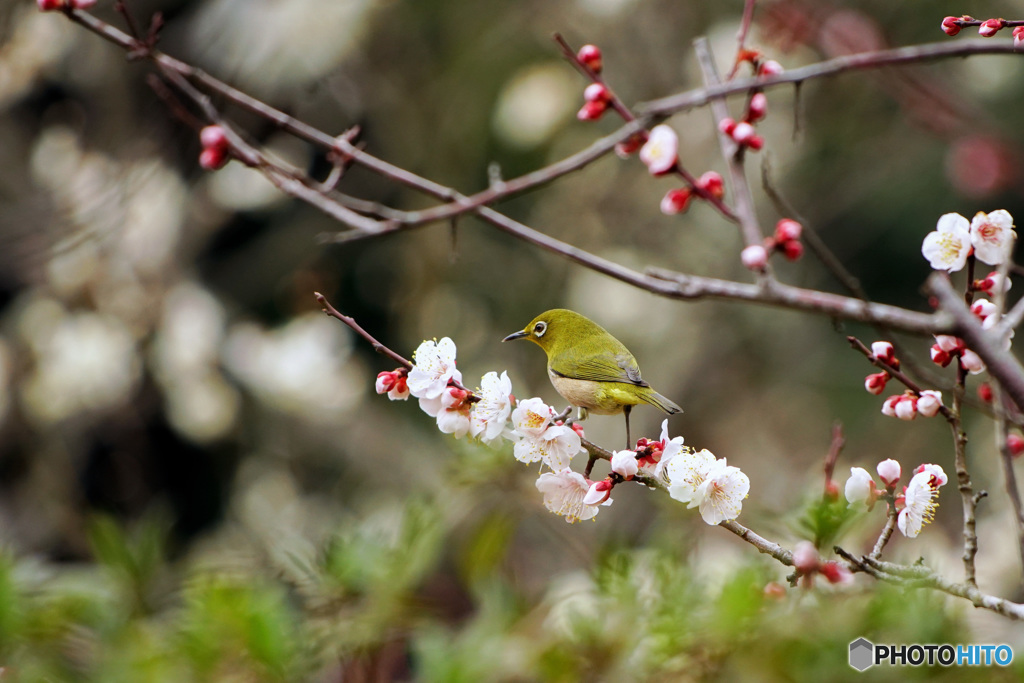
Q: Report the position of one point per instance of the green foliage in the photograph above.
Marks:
(824, 519)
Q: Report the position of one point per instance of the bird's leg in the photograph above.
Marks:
(625, 410)
(582, 413)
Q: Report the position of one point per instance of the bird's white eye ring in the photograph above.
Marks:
(540, 328)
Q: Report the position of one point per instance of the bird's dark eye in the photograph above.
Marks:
(540, 328)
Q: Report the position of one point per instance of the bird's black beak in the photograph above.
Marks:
(516, 335)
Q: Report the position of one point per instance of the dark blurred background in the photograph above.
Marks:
(163, 363)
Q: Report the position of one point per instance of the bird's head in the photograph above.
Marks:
(552, 330)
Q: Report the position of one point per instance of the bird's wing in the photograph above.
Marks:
(609, 367)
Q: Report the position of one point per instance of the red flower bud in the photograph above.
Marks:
(591, 111)
(1015, 444)
(590, 55)
(792, 249)
(787, 229)
(990, 27)
(950, 26)
(711, 182)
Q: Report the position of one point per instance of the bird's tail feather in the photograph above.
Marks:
(658, 401)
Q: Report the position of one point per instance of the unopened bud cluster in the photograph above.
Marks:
(951, 26)
(216, 147)
(785, 240)
(743, 132)
(909, 404)
(52, 5)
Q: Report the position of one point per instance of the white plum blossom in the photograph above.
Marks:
(920, 501)
(531, 417)
(948, 246)
(564, 492)
(555, 448)
(720, 496)
(992, 236)
(687, 472)
(661, 150)
(490, 414)
(672, 447)
(433, 368)
(860, 488)
(934, 471)
(625, 464)
(453, 418)
(539, 439)
(700, 480)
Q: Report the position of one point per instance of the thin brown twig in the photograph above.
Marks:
(891, 518)
(732, 154)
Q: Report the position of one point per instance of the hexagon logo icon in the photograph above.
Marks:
(862, 654)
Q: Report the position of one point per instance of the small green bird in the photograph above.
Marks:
(589, 367)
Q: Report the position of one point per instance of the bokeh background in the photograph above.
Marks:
(197, 481)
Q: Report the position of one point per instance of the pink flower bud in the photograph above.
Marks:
(754, 257)
(578, 428)
(805, 557)
(49, 5)
(742, 132)
(1015, 444)
(906, 407)
(1018, 36)
(82, 4)
(940, 357)
(990, 27)
(950, 26)
(596, 92)
(727, 126)
(628, 147)
(929, 403)
(983, 308)
(770, 68)
(212, 158)
(625, 464)
(875, 383)
(994, 281)
(836, 573)
(385, 381)
(590, 55)
(592, 111)
(676, 201)
(213, 136)
(971, 362)
(599, 492)
(889, 472)
(883, 350)
(711, 182)
(758, 107)
(985, 392)
(787, 229)
(755, 143)
(949, 343)
(792, 249)
(889, 406)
